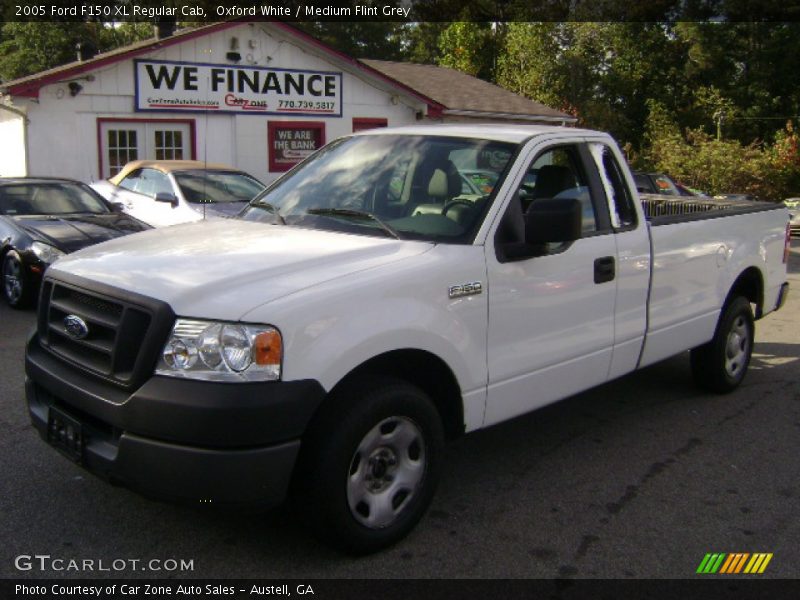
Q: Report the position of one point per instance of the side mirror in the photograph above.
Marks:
(167, 197)
(553, 221)
(117, 207)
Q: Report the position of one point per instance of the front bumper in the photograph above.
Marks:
(196, 441)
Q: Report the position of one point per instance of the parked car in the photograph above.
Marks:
(168, 192)
(660, 183)
(793, 204)
(477, 182)
(329, 340)
(41, 220)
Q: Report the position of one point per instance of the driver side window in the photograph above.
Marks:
(557, 174)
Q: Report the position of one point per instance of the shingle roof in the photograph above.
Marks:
(459, 91)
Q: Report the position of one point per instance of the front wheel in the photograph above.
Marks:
(721, 364)
(16, 285)
(370, 465)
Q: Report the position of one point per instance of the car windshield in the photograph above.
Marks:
(403, 186)
(56, 198)
(217, 186)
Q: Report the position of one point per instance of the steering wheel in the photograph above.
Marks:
(458, 202)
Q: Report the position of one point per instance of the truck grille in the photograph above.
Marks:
(121, 343)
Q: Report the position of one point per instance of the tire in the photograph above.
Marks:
(369, 465)
(721, 364)
(16, 285)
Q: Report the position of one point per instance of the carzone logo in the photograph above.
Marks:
(730, 564)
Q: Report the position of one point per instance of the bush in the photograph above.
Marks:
(719, 166)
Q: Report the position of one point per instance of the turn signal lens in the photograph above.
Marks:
(268, 348)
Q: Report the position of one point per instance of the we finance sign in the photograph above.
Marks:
(191, 87)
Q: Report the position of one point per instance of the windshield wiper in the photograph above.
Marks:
(270, 208)
(360, 214)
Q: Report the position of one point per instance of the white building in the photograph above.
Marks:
(258, 96)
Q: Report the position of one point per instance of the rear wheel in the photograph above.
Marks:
(369, 468)
(16, 286)
(721, 365)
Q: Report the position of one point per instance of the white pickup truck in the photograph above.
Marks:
(364, 309)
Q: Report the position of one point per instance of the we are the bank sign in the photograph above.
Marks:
(191, 87)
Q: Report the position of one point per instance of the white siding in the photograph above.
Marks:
(12, 145)
(63, 129)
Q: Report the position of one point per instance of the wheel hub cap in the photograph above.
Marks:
(737, 348)
(385, 472)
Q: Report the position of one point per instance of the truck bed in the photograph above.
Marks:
(700, 248)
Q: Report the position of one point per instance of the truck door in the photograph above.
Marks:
(551, 316)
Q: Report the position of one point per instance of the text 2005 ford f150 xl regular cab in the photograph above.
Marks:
(364, 309)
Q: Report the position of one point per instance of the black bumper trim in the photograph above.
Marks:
(198, 413)
(253, 477)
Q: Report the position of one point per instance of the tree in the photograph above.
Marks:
(468, 47)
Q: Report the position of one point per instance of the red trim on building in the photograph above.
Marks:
(102, 120)
(273, 126)
(362, 123)
(30, 88)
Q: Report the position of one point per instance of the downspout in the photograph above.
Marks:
(25, 121)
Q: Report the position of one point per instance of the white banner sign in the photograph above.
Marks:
(181, 86)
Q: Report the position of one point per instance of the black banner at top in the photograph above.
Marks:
(207, 11)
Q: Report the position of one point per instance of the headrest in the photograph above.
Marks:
(552, 179)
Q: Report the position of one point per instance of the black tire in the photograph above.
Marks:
(721, 364)
(372, 439)
(15, 282)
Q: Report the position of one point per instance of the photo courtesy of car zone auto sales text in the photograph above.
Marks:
(319, 300)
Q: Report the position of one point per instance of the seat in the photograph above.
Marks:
(552, 179)
(441, 183)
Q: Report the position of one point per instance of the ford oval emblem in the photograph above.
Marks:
(76, 327)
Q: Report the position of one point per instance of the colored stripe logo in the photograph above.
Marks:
(734, 563)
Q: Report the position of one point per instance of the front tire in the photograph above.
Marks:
(370, 465)
(16, 284)
(721, 364)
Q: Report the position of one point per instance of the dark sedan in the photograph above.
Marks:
(43, 219)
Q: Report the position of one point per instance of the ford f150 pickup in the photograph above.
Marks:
(364, 309)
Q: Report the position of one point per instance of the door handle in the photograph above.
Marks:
(604, 269)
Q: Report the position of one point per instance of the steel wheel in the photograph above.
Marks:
(369, 464)
(386, 471)
(737, 348)
(721, 364)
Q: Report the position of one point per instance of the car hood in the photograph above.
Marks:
(73, 232)
(222, 269)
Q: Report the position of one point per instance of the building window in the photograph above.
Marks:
(362, 123)
(122, 148)
(123, 140)
(169, 144)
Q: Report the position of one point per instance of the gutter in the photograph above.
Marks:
(482, 114)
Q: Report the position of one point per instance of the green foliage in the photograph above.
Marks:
(467, 46)
(27, 48)
(719, 166)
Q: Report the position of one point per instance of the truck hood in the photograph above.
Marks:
(222, 269)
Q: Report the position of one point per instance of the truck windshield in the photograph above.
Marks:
(404, 186)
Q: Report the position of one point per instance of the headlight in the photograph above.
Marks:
(219, 351)
(46, 253)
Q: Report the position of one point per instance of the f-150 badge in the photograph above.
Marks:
(466, 289)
